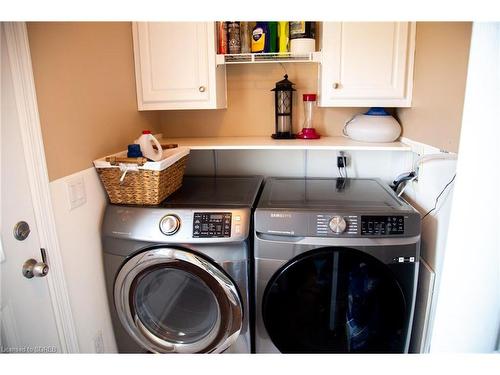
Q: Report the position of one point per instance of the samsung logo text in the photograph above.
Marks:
(281, 215)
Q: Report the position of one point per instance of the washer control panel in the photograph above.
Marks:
(211, 224)
(334, 225)
(382, 225)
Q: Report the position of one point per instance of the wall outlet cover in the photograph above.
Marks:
(77, 195)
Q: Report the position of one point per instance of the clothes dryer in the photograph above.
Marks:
(336, 264)
(177, 274)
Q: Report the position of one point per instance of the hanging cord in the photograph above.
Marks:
(406, 185)
(441, 156)
(283, 66)
(437, 198)
(342, 169)
(344, 131)
(342, 172)
(405, 178)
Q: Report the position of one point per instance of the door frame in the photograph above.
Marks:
(16, 36)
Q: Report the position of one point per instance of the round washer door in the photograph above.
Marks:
(335, 300)
(175, 301)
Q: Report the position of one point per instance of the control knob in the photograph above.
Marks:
(337, 224)
(170, 224)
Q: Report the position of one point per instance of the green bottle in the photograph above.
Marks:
(273, 36)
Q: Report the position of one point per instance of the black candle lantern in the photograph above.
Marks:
(283, 109)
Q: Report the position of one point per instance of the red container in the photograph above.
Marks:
(308, 132)
(222, 47)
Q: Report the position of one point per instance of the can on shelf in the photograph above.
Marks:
(233, 32)
(221, 37)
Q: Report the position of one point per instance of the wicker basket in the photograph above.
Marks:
(147, 184)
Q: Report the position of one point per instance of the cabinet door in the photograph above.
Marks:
(367, 64)
(175, 65)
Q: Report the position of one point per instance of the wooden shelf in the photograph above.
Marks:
(267, 143)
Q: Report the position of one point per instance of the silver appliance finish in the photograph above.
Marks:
(138, 239)
(297, 216)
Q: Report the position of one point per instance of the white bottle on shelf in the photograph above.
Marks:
(146, 141)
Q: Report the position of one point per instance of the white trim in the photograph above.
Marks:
(410, 67)
(34, 155)
(267, 143)
(422, 148)
(429, 310)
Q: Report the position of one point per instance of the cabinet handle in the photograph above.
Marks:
(336, 85)
(202, 88)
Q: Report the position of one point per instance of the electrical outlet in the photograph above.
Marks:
(99, 342)
(342, 160)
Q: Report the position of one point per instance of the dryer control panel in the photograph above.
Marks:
(211, 224)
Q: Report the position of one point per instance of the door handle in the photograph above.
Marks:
(278, 238)
(33, 268)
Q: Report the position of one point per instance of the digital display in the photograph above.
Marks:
(209, 224)
(382, 225)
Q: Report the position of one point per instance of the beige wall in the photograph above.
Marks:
(250, 104)
(84, 78)
(441, 57)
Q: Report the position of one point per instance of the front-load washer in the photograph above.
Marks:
(177, 274)
(336, 264)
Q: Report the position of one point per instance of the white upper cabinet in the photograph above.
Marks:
(175, 66)
(366, 64)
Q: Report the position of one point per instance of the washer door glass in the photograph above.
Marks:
(335, 300)
(175, 305)
(176, 301)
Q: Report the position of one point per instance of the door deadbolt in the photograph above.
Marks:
(33, 268)
(21, 230)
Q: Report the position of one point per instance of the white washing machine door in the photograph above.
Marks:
(176, 301)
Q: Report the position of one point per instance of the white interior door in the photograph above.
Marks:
(28, 322)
